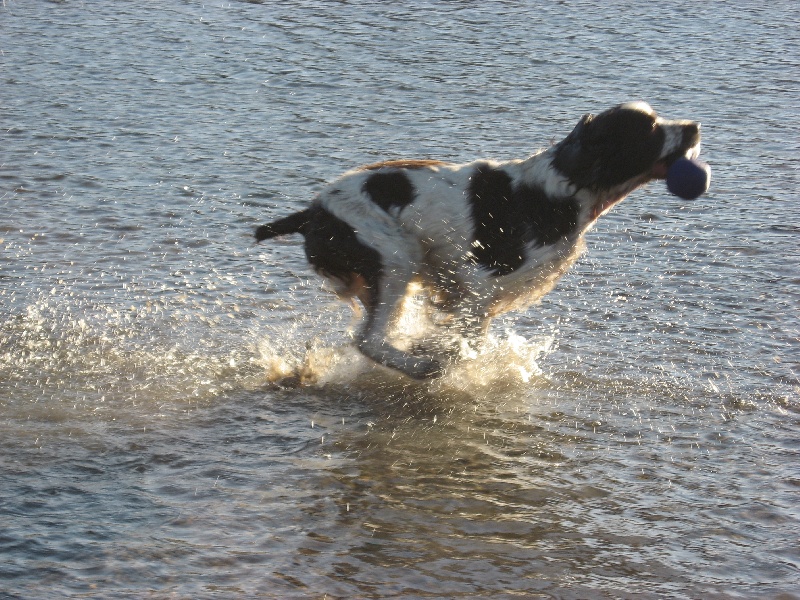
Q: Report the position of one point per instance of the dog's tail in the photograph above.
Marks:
(294, 223)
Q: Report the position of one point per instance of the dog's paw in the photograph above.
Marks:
(424, 369)
(444, 349)
(449, 350)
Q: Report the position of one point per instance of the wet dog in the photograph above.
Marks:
(480, 238)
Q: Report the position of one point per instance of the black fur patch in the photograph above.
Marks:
(389, 189)
(499, 242)
(507, 219)
(334, 250)
(548, 219)
(611, 148)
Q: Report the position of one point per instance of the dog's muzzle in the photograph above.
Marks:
(689, 147)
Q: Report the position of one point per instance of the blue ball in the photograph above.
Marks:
(688, 179)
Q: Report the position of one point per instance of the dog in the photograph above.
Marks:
(478, 239)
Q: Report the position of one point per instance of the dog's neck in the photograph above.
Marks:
(540, 170)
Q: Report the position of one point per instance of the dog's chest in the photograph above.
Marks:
(535, 277)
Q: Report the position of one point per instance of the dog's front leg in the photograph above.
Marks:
(383, 307)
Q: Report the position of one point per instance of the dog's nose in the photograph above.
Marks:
(691, 135)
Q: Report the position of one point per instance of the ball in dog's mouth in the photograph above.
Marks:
(688, 178)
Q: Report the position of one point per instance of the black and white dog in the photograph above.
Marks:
(480, 238)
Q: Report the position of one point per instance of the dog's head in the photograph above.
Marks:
(615, 152)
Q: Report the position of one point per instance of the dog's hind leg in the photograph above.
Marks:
(383, 306)
(380, 281)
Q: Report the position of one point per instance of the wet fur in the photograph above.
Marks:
(482, 238)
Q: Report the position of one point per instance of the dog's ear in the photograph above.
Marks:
(580, 128)
(572, 158)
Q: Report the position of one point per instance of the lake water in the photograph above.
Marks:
(636, 435)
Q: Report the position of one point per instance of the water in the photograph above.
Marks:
(634, 435)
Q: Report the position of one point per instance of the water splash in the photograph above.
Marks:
(90, 355)
(503, 362)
